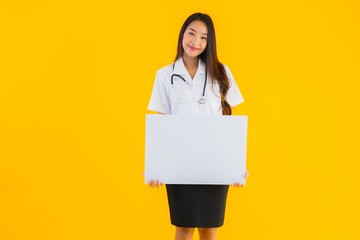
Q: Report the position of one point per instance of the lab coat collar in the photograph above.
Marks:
(180, 68)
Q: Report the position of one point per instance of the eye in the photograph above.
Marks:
(205, 38)
(191, 33)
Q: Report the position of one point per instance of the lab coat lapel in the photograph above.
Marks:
(200, 73)
(180, 69)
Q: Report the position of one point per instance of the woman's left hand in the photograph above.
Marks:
(237, 184)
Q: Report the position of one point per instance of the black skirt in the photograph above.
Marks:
(197, 205)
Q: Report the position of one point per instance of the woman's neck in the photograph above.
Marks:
(191, 64)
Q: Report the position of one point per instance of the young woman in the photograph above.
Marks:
(196, 83)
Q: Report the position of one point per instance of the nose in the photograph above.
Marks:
(196, 41)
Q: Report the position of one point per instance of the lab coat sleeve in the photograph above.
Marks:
(160, 101)
(234, 96)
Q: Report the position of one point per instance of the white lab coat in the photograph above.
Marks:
(183, 97)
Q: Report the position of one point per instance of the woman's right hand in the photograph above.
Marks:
(155, 183)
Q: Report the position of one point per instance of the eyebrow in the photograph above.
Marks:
(195, 31)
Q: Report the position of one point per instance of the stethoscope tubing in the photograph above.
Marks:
(202, 99)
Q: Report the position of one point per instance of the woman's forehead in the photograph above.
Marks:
(198, 26)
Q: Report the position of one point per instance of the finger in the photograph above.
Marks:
(243, 184)
(151, 182)
(157, 183)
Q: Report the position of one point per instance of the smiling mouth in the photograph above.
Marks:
(193, 48)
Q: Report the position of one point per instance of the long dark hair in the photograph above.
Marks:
(214, 68)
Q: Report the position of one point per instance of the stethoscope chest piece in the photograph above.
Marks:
(202, 100)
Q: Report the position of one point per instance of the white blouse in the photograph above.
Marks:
(182, 97)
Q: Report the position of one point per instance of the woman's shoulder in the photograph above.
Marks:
(225, 67)
(227, 70)
(164, 74)
(168, 69)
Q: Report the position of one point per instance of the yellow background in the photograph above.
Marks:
(75, 81)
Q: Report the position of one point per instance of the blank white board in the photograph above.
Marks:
(189, 149)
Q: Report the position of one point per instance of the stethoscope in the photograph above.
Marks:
(202, 100)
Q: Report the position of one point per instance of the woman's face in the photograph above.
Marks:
(195, 38)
